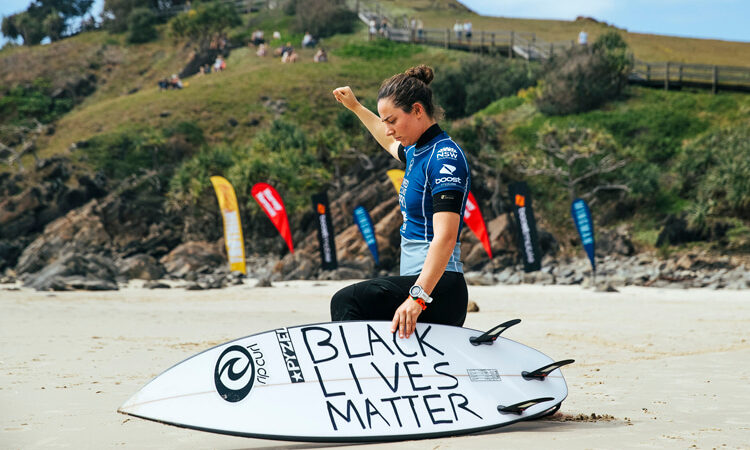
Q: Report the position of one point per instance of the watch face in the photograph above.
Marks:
(415, 291)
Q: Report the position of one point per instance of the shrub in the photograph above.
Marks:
(585, 78)
(322, 18)
(23, 103)
(135, 148)
(379, 49)
(715, 170)
(141, 26)
(477, 82)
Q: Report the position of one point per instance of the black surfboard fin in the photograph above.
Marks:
(542, 372)
(549, 412)
(520, 407)
(490, 336)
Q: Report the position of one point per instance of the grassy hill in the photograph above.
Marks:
(236, 109)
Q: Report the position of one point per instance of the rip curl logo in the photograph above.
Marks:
(234, 373)
(447, 169)
(447, 153)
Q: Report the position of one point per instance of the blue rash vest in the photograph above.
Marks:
(434, 164)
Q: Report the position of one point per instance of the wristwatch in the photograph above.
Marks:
(416, 291)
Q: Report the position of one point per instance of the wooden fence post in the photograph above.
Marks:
(482, 41)
(715, 80)
(447, 38)
(666, 76)
(512, 43)
(648, 72)
(680, 74)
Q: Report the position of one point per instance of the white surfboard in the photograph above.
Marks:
(352, 381)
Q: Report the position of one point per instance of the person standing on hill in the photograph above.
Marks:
(432, 199)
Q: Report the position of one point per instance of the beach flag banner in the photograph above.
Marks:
(364, 222)
(582, 218)
(230, 215)
(474, 220)
(397, 177)
(325, 231)
(526, 226)
(270, 201)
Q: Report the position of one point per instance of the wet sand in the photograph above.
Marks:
(657, 368)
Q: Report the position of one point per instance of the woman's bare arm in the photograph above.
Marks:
(369, 119)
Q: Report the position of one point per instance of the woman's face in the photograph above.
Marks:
(405, 127)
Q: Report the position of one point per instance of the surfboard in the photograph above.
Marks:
(353, 382)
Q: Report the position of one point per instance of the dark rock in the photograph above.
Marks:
(193, 287)
(143, 267)
(10, 250)
(479, 279)
(614, 242)
(472, 307)
(232, 122)
(75, 271)
(165, 114)
(676, 231)
(192, 257)
(264, 282)
(547, 243)
(154, 284)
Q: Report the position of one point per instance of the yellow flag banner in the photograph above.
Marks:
(397, 177)
(230, 213)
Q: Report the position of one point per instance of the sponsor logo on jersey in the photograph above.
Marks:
(447, 180)
(447, 153)
(447, 169)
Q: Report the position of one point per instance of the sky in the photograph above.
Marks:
(709, 19)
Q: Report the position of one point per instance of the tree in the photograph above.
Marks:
(29, 28)
(141, 26)
(54, 25)
(44, 18)
(581, 159)
(205, 22)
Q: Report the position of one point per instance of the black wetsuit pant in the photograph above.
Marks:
(378, 299)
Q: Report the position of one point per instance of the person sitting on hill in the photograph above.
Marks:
(262, 50)
(163, 84)
(308, 41)
(257, 38)
(175, 82)
(219, 64)
(320, 56)
(276, 35)
(286, 49)
(289, 56)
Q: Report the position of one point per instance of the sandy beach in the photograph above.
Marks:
(658, 368)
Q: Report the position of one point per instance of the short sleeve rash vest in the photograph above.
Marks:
(434, 164)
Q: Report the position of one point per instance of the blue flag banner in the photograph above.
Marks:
(364, 222)
(582, 217)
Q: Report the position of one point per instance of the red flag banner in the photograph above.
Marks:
(270, 201)
(474, 220)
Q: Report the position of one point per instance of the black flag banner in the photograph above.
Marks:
(325, 231)
(526, 226)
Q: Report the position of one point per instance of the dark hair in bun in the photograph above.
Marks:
(406, 89)
(422, 73)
